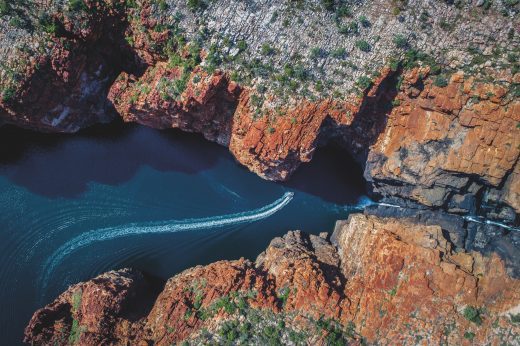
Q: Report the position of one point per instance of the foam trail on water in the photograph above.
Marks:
(365, 201)
(490, 222)
(389, 205)
(109, 233)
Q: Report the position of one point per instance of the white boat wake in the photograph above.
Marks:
(365, 201)
(174, 226)
(483, 221)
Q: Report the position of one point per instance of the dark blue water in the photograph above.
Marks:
(118, 196)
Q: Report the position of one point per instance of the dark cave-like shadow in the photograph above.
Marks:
(332, 175)
(62, 165)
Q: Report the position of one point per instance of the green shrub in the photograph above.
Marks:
(266, 49)
(472, 314)
(363, 83)
(16, 22)
(363, 46)
(300, 72)
(445, 25)
(351, 28)
(5, 9)
(440, 81)
(77, 5)
(510, 3)
(400, 41)
(343, 11)
(242, 45)
(196, 5)
(163, 6)
(339, 53)
(48, 24)
(8, 94)
(283, 295)
(328, 4)
(319, 86)
(469, 335)
(318, 53)
(364, 21)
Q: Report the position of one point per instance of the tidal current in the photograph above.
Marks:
(115, 196)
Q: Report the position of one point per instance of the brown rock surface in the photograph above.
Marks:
(384, 280)
(460, 139)
(454, 147)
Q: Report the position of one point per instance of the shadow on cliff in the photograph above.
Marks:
(63, 165)
(333, 175)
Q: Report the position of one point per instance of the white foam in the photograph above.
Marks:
(483, 221)
(389, 205)
(109, 233)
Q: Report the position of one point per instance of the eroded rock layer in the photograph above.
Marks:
(378, 280)
(448, 141)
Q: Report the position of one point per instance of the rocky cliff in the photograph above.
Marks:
(423, 94)
(376, 279)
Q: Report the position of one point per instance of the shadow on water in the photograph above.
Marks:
(61, 165)
(333, 175)
(58, 165)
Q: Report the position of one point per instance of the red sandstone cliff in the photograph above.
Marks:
(453, 147)
(385, 280)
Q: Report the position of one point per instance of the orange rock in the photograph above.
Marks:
(396, 281)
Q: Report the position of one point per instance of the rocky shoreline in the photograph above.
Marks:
(429, 108)
(447, 142)
(375, 279)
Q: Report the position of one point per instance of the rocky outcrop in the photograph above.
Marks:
(102, 310)
(446, 141)
(58, 81)
(378, 280)
(450, 147)
(207, 108)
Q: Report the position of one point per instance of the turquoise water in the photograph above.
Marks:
(74, 206)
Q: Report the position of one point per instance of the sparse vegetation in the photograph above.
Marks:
(469, 335)
(76, 329)
(472, 314)
(247, 325)
(400, 41)
(440, 81)
(363, 45)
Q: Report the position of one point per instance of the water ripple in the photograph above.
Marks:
(171, 226)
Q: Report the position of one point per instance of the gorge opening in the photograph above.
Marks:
(143, 184)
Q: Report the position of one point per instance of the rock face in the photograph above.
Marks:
(448, 141)
(450, 147)
(378, 279)
(95, 312)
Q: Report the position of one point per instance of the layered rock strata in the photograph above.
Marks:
(378, 280)
(448, 141)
